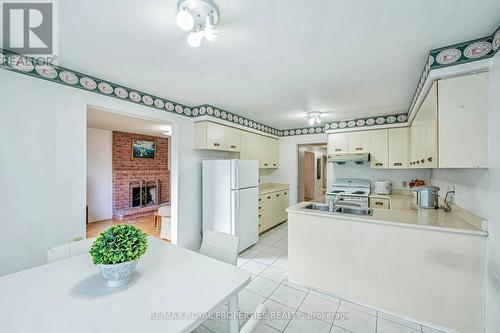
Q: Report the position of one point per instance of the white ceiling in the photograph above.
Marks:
(116, 122)
(274, 59)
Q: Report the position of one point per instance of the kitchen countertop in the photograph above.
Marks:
(272, 187)
(404, 213)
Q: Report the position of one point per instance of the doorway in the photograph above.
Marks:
(312, 172)
(128, 173)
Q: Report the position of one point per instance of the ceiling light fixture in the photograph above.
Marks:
(314, 118)
(195, 37)
(200, 17)
(184, 19)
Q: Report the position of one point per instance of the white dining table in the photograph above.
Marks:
(171, 288)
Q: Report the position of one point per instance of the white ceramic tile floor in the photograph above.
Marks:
(323, 305)
(430, 330)
(387, 326)
(400, 321)
(266, 258)
(262, 286)
(301, 323)
(296, 308)
(354, 320)
(288, 296)
(275, 274)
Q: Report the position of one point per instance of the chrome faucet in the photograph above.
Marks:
(332, 200)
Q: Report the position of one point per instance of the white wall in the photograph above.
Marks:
(479, 191)
(396, 176)
(48, 121)
(42, 165)
(99, 174)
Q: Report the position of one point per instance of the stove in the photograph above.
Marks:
(352, 191)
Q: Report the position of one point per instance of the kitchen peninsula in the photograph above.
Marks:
(425, 264)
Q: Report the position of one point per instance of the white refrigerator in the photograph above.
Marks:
(230, 199)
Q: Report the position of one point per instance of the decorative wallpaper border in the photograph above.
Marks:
(33, 67)
(456, 54)
(237, 119)
(346, 124)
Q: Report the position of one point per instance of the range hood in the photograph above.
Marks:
(349, 158)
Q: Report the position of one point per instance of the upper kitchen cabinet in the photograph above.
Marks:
(208, 135)
(250, 146)
(233, 139)
(216, 136)
(338, 143)
(398, 148)
(269, 153)
(424, 133)
(352, 142)
(463, 119)
(359, 142)
(213, 136)
(379, 149)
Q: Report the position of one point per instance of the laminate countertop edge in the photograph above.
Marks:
(272, 187)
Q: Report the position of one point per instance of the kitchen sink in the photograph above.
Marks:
(354, 210)
(321, 207)
(341, 209)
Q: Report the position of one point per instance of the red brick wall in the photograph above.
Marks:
(126, 169)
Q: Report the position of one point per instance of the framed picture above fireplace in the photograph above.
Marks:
(143, 148)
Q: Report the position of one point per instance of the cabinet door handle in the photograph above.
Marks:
(338, 149)
(418, 162)
(379, 164)
(269, 197)
(429, 159)
(277, 195)
(398, 164)
(260, 199)
(286, 193)
(260, 207)
(378, 203)
(265, 164)
(233, 147)
(359, 148)
(274, 164)
(422, 160)
(216, 144)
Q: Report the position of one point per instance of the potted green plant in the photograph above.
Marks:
(117, 251)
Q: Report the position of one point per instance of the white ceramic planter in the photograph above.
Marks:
(118, 274)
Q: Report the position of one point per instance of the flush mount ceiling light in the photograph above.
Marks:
(314, 118)
(200, 17)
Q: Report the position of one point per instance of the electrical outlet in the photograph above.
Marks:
(405, 184)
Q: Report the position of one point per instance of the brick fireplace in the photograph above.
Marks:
(140, 185)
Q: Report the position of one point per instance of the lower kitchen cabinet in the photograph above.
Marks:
(272, 209)
(380, 203)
